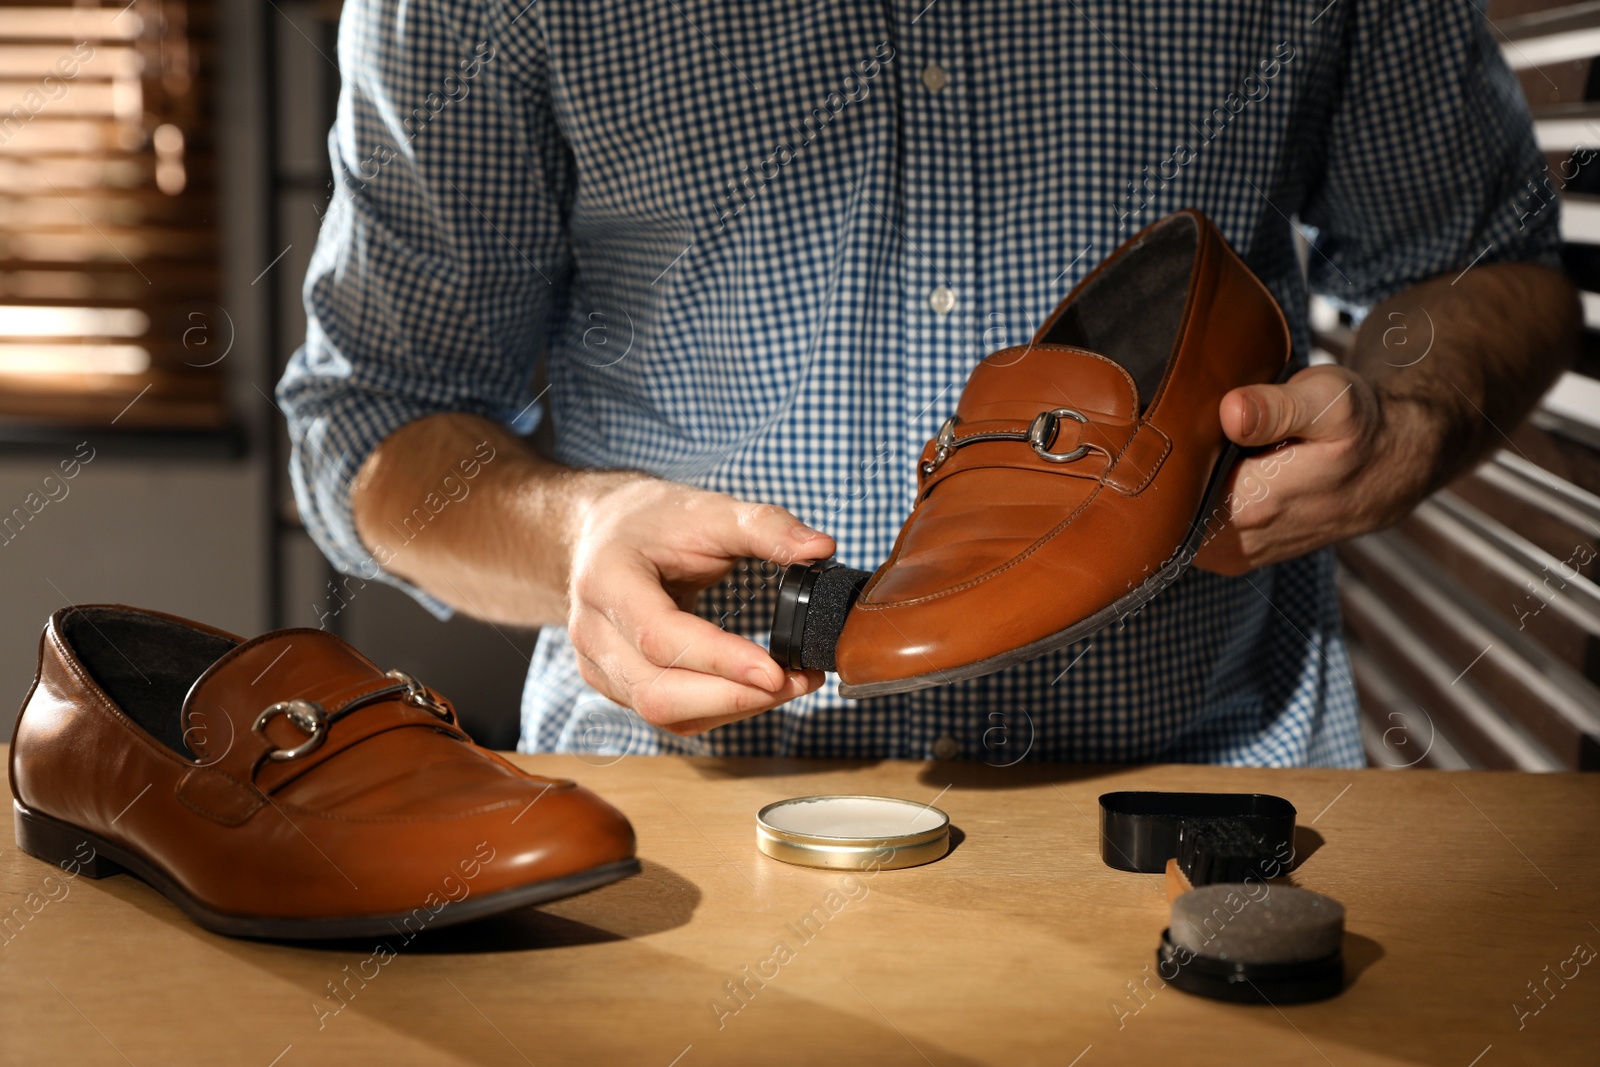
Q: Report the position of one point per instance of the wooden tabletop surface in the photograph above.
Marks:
(1463, 891)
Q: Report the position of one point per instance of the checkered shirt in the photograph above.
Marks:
(757, 247)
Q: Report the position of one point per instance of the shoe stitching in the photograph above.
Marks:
(926, 485)
(258, 799)
(312, 760)
(1042, 467)
(106, 707)
(1155, 468)
(1101, 483)
(1012, 562)
(101, 702)
(397, 819)
(211, 672)
(1191, 302)
(1204, 253)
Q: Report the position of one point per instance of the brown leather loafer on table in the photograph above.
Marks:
(1079, 474)
(285, 786)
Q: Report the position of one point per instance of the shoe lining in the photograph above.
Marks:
(1131, 312)
(146, 665)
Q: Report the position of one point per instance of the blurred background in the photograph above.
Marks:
(163, 173)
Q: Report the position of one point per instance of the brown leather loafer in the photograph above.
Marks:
(1079, 474)
(285, 786)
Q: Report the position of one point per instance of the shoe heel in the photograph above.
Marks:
(55, 842)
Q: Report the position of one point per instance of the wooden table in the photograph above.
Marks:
(1018, 947)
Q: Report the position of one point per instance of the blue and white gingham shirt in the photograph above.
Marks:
(716, 231)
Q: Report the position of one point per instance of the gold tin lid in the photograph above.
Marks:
(853, 833)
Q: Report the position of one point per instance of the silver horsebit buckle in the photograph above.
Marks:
(1041, 434)
(312, 718)
(419, 695)
(307, 715)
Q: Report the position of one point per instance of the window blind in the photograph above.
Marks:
(108, 236)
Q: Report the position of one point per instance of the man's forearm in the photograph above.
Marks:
(617, 557)
(1462, 359)
(502, 550)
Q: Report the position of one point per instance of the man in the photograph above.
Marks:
(756, 248)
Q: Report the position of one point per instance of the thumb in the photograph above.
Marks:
(769, 532)
(1317, 403)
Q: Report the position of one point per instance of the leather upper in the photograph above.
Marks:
(1006, 546)
(394, 800)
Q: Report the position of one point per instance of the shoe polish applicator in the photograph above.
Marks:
(814, 599)
(1283, 946)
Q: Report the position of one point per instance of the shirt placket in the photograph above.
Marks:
(939, 262)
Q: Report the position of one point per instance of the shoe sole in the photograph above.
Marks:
(1124, 606)
(60, 843)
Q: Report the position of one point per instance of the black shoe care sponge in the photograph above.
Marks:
(813, 602)
(1255, 942)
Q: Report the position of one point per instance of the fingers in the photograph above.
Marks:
(1281, 502)
(1316, 404)
(765, 531)
(680, 700)
(1223, 550)
(646, 617)
(689, 727)
(1224, 554)
(1249, 535)
(1324, 481)
(650, 553)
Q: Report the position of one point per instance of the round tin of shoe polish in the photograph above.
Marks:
(853, 833)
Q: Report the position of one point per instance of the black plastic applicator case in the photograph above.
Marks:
(1139, 830)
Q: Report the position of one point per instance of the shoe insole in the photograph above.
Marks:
(1131, 312)
(145, 664)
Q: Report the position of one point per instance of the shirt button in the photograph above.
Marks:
(942, 300)
(934, 77)
(946, 748)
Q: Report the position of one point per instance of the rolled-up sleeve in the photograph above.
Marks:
(441, 257)
(1430, 158)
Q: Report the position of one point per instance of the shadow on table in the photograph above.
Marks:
(444, 987)
(657, 900)
(977, 775)
(938, 773)
(721, 768)
(1306, 843)
(1359, 954)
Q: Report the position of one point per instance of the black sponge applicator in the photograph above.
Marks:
(813, 602)
(1272, 943)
